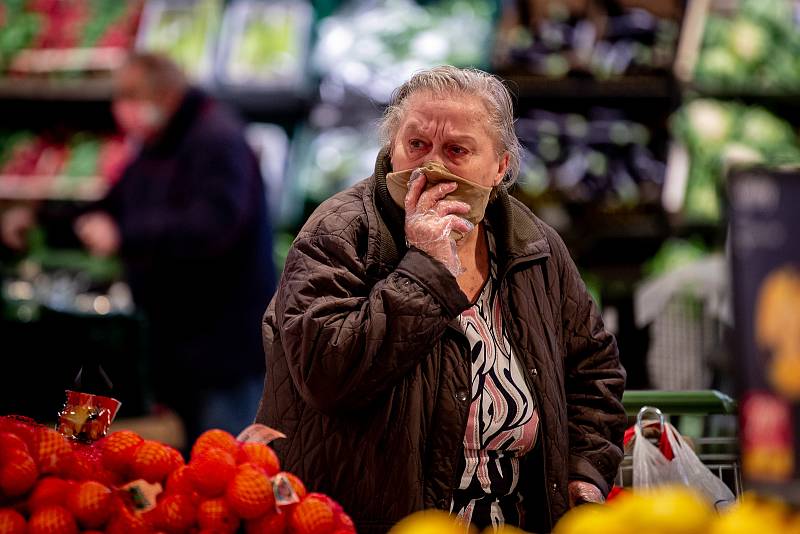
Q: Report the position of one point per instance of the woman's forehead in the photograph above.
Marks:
(461, 111)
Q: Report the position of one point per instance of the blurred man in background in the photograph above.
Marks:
(189, 219)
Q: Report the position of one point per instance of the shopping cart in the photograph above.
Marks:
(719, 453)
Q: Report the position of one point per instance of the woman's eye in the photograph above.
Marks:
(458, 150)
(416, 144)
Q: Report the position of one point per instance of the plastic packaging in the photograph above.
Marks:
(581, 492)
(652, 469)
(86, 417)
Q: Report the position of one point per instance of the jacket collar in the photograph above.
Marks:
(190, 107)
(519, 235)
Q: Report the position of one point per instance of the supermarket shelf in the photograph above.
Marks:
(785, 104)
(32, 188)
(252, 103)
(531, 86)
(726, 92)
(267, 105)
(78, 89)
(50, 60)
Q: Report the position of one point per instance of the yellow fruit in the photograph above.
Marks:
(773, 510)
(667, 510)
(429, 522)
(749, 517)
(628, 509)
(590, 519)
(793, 526)
(679, 509)
(505, 529)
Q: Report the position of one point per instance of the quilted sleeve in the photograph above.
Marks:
(594, 382)
(346, 341)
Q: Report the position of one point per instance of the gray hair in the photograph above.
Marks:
(447, 80)
(160, 72)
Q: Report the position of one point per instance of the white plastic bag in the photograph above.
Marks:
(651, 468)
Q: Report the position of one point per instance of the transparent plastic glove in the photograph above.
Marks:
(430, 220)
(581, 492)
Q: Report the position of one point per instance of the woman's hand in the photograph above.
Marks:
(99, 233)
(581, 492)
(430, 220)
(14, 226)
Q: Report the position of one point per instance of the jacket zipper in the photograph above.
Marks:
(537, 396)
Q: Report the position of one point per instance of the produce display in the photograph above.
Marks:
(600, 157)
(755, 48)
(325, 161)
(670, 510)
(438, 522)
(264, 45)
(124, 484)
(587, 38)
(674, 254)
(678, 510)
(184, 30)
(63, 24)
(373, 47)
(64, 280)
(48, 164)
(719, 135)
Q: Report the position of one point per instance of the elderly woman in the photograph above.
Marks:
(431, 343)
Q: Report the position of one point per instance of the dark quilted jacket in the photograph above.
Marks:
(370, 381)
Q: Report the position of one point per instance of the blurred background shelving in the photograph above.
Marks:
(631, 111)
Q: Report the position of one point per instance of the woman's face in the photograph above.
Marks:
(454, 132)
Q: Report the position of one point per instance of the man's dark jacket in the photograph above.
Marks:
(370, 381)
(197, 245)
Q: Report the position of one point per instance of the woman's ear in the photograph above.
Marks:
(502, 168)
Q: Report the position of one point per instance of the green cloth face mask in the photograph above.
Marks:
(475, 195)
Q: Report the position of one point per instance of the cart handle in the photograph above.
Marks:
(702, 402)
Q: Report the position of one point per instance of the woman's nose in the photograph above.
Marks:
(435, 157)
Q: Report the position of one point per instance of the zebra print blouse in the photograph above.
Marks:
(503, 421)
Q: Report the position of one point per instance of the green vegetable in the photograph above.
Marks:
(104, 13)
(710, 123)
(184, 32)
(675, 253)
(740, 154)
(17, 34)
(767, 10)
(755, 49)
(83, 158)
(716, 64)
(760, 128)
(719, 135)
(748, 40)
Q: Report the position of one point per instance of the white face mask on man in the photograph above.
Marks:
(139, 119)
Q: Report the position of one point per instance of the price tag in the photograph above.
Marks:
(142, 494)
(284, 491)
(259, 433)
